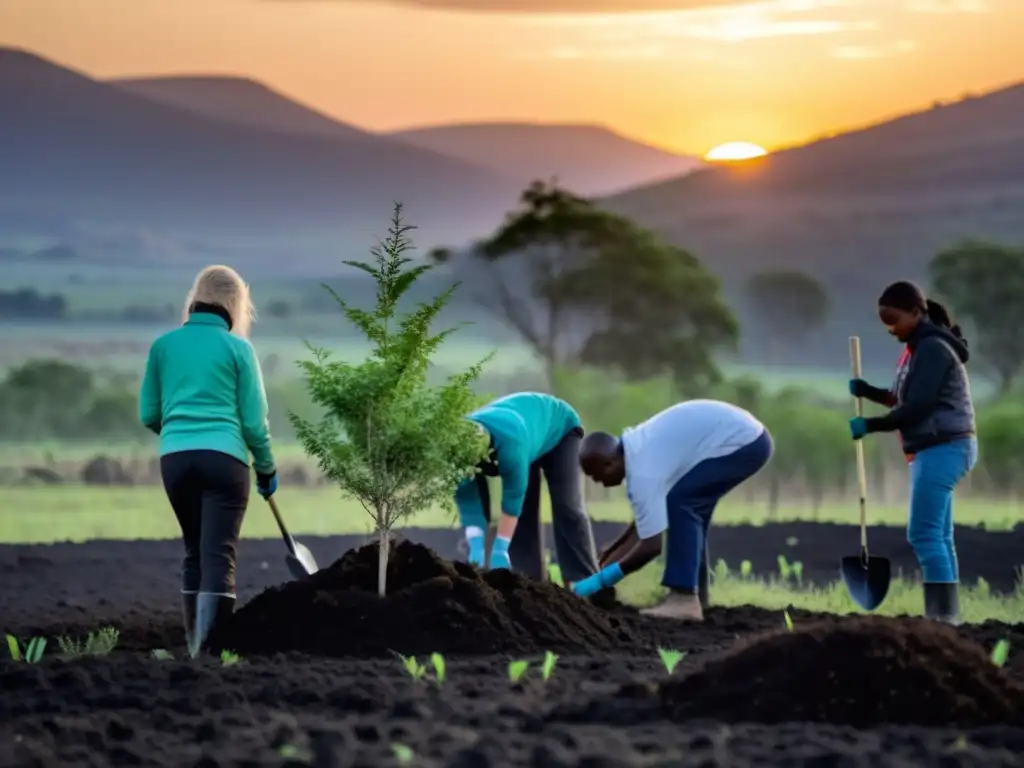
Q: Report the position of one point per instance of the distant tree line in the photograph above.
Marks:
(29, 304)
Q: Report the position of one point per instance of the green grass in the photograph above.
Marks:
(729, 588)
(81, 513)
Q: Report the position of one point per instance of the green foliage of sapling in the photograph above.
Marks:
(390, 439)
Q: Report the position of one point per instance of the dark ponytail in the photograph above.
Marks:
(939, 315)
(908, 296)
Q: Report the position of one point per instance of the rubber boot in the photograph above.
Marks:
(211, 611)
(942, 602)
(188, 616)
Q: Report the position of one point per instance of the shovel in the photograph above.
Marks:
(867, 578)
(299, 560)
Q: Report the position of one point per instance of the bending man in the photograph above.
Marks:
(677, 466)
(530, 433)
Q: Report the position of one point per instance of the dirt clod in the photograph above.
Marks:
(431, 605)
(861, 672)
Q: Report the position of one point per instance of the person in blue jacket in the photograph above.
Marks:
(933, 412)
(531, 433)
(203, 394)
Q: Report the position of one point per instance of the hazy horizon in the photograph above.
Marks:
(686, 76)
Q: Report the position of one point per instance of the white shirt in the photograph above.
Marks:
(669, 444)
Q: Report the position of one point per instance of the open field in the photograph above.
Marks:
(608, 701)
(82, 513)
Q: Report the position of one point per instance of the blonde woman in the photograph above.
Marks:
(203, 394)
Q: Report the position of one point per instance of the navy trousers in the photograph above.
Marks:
(691, 504)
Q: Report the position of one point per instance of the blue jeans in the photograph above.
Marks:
(934, 474)
(692, 502)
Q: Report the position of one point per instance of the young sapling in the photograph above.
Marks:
(389, 438)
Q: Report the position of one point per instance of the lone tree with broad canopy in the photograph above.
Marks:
(983, 283)
(390, 439)
(581, 285)
(791, 303)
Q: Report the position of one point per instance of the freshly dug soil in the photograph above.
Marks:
(431, 605)
(860, 672)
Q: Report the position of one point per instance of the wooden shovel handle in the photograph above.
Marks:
(862, 479)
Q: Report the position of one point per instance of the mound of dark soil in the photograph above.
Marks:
(431, 605)
(862, 671)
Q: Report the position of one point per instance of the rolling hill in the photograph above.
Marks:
(74, 149)
(856, 210)
(589, 159)
(242, 102)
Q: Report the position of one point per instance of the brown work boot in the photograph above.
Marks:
(677, 605)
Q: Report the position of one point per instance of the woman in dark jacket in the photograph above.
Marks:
(933, 412)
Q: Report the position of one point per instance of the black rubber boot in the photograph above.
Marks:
(942, 602)
(211, 611)
(188, 616)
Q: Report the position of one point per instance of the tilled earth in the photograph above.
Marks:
(864, 688)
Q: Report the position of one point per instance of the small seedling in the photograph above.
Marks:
(228, 658)
(437, 660)
(414, 668)
(789, 621)
(549, 665)
(746, 568)
(517, 670)
(99, 643)
(670, 658)
(161, 655)
(555, 575)
(33, 649)
(798, 571)
(403, 754)
(784, 567)
(291, 752)
(1001, 652)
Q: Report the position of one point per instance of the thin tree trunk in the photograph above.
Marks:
(382, 562)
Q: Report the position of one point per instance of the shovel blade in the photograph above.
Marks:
(302, 563)
(867, 582)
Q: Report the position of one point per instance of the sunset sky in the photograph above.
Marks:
(683, 74)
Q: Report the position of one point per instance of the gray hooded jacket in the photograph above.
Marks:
(932, 393)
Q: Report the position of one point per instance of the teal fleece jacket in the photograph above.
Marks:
(524, 427)
(203, 390)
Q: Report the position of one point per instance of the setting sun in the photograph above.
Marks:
(735, 150)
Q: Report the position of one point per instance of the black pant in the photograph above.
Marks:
(574, 537)
(209, 492)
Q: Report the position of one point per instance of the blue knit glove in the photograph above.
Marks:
(858, 427)
(608, 577)
(266, 485)
(476, 550)
(499, 554)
